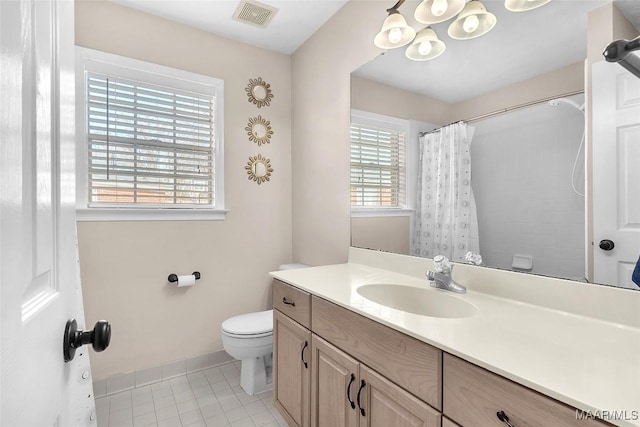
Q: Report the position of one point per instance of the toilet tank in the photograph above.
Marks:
(292, 266)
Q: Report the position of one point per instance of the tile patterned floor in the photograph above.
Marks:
(208, 398)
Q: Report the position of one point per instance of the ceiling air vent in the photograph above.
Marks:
(254, 13)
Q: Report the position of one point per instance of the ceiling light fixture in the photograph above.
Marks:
(395, 31)
(524, 5)
(425, 46)
(474, 21)
(434, 11)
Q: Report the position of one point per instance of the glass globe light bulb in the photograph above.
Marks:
(439, 7)
(425, 48)
(470, 24)
(395, 34)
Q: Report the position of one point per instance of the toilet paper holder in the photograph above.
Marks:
(174, 277)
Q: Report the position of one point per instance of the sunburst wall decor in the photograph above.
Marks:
(259, 169)
(259, 130)
(259, 92)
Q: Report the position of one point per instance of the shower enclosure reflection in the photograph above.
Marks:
(528, 178)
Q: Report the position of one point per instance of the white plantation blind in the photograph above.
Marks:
(377, 166)
(149, 145)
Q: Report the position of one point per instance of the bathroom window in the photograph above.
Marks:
(378, 173)
(150, 141)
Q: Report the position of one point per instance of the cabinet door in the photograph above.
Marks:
(292, 369)
(384, 404)
(334, 384)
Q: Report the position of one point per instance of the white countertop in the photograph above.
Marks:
(585, 362)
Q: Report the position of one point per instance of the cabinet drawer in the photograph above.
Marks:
(412, 364)
(473, 396)
(293, 302)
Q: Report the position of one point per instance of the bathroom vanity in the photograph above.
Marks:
(342, 359)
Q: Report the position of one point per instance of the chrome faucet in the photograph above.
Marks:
(441, 277)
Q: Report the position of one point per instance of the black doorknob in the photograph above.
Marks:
(99, 338)
(606, 244)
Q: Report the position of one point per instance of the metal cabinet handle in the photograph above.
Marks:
(362, 386)
(503, 417)
(286, 301)
(306, 344)
(353, 404)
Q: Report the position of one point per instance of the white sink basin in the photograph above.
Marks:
(426, 302)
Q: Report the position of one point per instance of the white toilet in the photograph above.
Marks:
(249, 338)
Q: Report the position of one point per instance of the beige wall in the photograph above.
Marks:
(553, 84)
(374, 97)
(389, 234)
(378, 98)
(125, 264)
(321, 70)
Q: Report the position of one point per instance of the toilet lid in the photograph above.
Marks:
(249, 324)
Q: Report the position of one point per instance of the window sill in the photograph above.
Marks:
(380, 212)
(165, 214)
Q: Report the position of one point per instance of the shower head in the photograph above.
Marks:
(556, 102)
(621, 51)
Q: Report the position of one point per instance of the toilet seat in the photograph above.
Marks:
(247, 336)
(250, 325)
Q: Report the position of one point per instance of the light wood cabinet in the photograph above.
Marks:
(291, 369)
(334, 385)
(384, 404)
(473, 396)
(336, 368)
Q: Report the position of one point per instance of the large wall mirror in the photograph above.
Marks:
(520, 90)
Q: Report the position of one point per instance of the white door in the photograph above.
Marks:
(39, 284)
(616, 173)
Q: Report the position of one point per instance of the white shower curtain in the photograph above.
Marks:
(446, 221)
